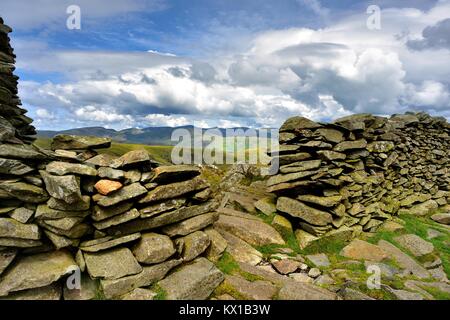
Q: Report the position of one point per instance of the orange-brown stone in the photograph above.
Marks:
(105, 187)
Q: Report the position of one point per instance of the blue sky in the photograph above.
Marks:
(138, 63)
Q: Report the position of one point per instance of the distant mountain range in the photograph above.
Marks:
(149, 136)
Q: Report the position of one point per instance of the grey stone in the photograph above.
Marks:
(191, 225)
(174, 190)
(110, 243)
(319, 260)
(415, 244)
(300, 210)
(148, 276)
(112, 264)
(193, 245)
(22, 214)
(14, 167)
(72, 142)
(64, 168)
(153, 248)
(254, 232)
(129, 192)
(10, 228)
(66, 188)
(195, 281)
(36, 271)
(174, 173)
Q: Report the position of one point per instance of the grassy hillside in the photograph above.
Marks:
(159, 153)
(162, 154)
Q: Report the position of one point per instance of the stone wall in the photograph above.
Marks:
(350, 175)
(14, 124)
(120, 223)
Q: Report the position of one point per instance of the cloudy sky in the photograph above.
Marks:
(139, 63)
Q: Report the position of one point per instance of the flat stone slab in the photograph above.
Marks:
(319, 260)
(72, 142)
(48, 293)
(240, 250)
(300, 210)
(10, 228)
(66, 188)
(126, 193)
(105, 186)
(21, 151)
(174, 190)
(415, 244)
(304, 291)
(108, 244)
(286, 266)
(24, 191)
(14, 167)
(254, 232)
(60, 168)
(403, 260)
(321, 201)
(132, 158)
(112, 264)
(256, 290)
(139, 294)
(195, 281)
(117, 219)
(148, 276)
(153, 248)
(362, 250)
(443, 218)
(191, 225)
(6, 257)
(164, 174)
(36, 271)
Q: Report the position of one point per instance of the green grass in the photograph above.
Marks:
(420, 226)
(328, 246)
(160, 293)
(227, 264)
(437, 294)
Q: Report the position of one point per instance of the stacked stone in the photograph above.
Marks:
(125, 222)
(15, 126)
(350, 176)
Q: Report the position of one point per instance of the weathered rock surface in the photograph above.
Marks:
(254, 232)
(70, 142)
(300, 210)
(362, 250)
(415, 244)
(148, 276)
(60, 168)
(36, 271)
(66, 188)
(257, 290)
(195, 281)
(111, 264)
(174, 190)
(153, 248)
(126, 193)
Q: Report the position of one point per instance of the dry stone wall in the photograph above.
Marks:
(14, 124)
(120, 224)
(341, 178)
